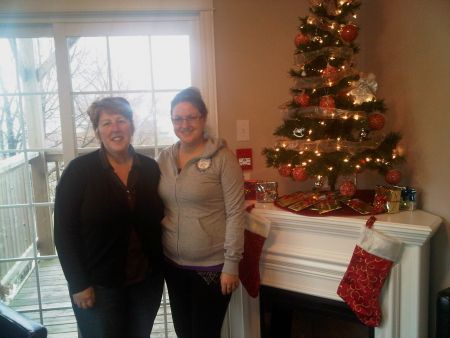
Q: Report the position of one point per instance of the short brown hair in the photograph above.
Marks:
(110, 105)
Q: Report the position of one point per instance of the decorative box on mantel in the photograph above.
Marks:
(309, 255)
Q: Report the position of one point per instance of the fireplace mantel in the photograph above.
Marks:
(309, 255)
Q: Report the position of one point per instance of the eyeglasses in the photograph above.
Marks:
(189, 119)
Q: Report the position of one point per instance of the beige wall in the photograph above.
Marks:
(404, 43)
(412, 60)
(254, 51)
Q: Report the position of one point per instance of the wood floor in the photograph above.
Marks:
(57, 312)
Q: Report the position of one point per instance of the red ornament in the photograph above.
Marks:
(327, 103)
(393, 176)
(299, 174)
(330, 72)
(349, 33)
(301, 39)
(376, 121)
(302, 99)
(347, 188)
(285, 170)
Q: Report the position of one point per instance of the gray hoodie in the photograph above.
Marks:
(205, 214)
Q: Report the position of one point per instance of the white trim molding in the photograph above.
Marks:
(18, 8)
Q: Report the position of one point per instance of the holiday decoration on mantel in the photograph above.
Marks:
(333, 122)
(370, 265)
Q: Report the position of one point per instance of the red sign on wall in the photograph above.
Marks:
(245, 158)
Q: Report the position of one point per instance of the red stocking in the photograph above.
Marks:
(369, 267)
(256, 232)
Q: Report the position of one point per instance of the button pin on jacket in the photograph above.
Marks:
(203, 164)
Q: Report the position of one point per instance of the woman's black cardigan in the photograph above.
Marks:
(93, 220)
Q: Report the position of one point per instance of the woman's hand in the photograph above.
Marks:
(229, 283)
(84, 299)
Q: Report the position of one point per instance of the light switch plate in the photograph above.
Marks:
(242, 130)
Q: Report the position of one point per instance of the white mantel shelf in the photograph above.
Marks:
(309, 255)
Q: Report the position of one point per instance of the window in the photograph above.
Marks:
(145, 62)
(51, 70)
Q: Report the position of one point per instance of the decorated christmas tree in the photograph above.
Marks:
(333, 122)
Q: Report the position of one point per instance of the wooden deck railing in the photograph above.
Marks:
(25, 227)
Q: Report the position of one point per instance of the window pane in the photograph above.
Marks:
(42, 120)
(52, 121)
(33, 116)
(165, 134)
(134, 69)
(171, 61)
(144, 120)
(8, 76)
(130, 62)
(85, 133)
(36, 60)
(45, 61)
(88, 63)
(11, 125)
(153, 126)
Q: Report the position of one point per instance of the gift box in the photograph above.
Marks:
(387, 199)
(266, 191)
(408, 198)
(250, 189)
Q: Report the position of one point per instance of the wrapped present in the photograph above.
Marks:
(304, 201)
(328, 201)
(359, 206)
(408, 198)
(266, 191)
(250, 189)
(328, 205)
(387, 199)
(287, 200)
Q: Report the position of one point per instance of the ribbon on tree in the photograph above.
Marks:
(371, 262)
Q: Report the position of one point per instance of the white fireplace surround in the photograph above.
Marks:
(309, 255)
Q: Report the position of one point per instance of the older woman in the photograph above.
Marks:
(202, 189)
(107, 230)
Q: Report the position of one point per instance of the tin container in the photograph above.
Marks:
(266, 192)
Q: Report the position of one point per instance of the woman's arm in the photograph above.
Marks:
(67, 227)
(233, 192)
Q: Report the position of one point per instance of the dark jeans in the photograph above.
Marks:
(122, 312)
(198, 308)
